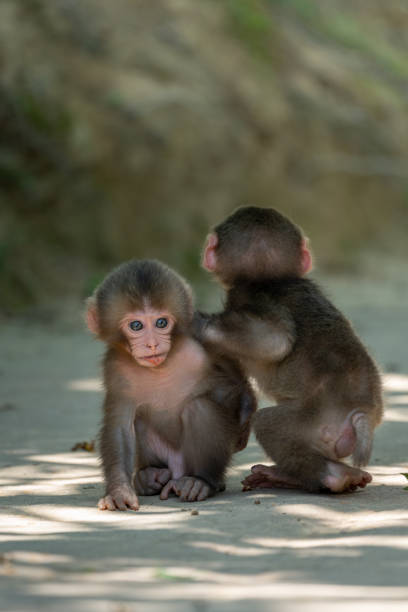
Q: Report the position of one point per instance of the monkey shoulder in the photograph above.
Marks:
(262, 299)
(300, 299)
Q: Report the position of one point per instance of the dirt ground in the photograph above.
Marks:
(261, 551)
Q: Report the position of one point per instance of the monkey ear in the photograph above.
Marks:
(92, 316)
(209, 260)
(306, 263)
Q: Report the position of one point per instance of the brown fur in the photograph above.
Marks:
(168, 428)
(300, 349)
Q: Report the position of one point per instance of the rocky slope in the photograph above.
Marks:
(129, 127)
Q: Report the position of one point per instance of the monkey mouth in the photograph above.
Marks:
(155, 359)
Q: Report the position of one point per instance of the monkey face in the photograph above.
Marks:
(148, 333)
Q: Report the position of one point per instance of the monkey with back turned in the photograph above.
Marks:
(173, 414)
(299, 348)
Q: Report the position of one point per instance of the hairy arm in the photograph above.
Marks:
(118, 452)
(243, 334)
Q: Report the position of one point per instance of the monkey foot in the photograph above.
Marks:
(187, 488)
(119, 498)
(151, 480)
(269, 476)
(340, 477)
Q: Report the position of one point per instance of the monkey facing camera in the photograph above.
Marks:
(174, 413)
(299, 348)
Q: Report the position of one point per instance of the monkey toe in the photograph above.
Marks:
(163, 476)
(151, 480)
(183, 487)
(199, 491)
(188, 489)
(257, 481)
(340, 478)
(193, 489)
(251, 483)
(169, 487)
(269, 476)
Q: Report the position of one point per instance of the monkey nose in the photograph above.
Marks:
(152, 345)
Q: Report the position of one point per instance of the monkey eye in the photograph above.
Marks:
(161, 323)
(136, 325)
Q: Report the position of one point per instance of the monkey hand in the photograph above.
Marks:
(199, 324)
(151, 480)
(187, 488)
(243, 438)
(119, 497)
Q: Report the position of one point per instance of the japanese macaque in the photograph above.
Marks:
(301, 351)
(173, 415)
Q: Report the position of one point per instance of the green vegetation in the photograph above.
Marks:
(252, 24)
(129, 135)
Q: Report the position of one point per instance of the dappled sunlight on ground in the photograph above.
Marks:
(85, 384)
(395, 382)
(280, 548)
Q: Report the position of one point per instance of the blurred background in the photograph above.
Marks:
(128, 128)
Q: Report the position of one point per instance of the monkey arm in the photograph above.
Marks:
(199, 324)
(248, 406)
(118, 452)
(243, 334)
(208, 441)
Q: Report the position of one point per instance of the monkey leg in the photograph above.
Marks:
(120, 497)
(307, 460)
(151, 480)
(188, 488)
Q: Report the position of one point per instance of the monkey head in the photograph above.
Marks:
(255, 244)
(141, 305)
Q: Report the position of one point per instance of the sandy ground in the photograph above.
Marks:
(280, 551)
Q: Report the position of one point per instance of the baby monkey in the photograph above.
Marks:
(173, 415)
(301, 351)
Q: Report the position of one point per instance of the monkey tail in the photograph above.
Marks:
(364, 444)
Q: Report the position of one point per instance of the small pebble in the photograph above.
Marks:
(194, 513)
(257, 501)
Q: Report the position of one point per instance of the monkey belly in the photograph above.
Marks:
(170, 457)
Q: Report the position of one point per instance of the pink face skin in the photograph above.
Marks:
(148, 333)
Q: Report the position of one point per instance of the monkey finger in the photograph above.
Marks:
(132, 502)
(204, 493)
(119, 503)
(122, 498)
(106, 503)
